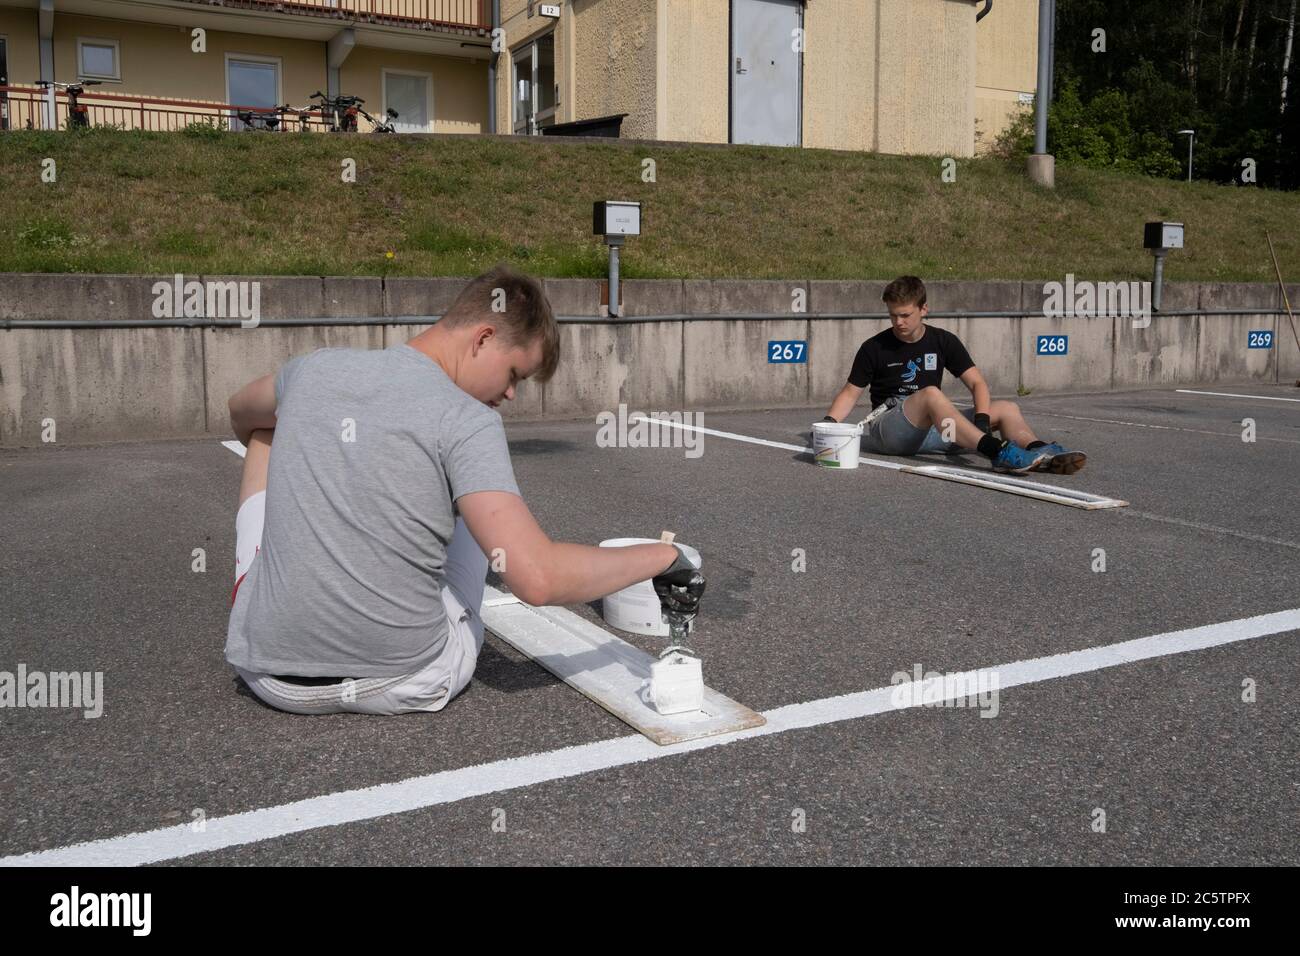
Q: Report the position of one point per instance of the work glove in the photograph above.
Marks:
(679, 587)
(984, 423)
(827, 418)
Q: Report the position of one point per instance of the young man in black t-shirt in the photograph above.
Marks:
(904, 367)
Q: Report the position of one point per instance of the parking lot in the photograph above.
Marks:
(822, 586)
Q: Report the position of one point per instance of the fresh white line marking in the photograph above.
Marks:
(449, 786)
(1262, 398)
(991, 480)
(236, 447)
(757, 441)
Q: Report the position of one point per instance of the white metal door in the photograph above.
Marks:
(765, 71)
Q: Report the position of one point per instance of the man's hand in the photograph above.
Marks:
(679, 587)
(984, 423)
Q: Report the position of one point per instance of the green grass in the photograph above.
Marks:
(221, 203)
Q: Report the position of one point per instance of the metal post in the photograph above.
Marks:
(1157, 283)
(614, 243)
(1190, 140)
(1051, 52)
(1044, 75)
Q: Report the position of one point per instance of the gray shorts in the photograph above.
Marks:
(893, 434)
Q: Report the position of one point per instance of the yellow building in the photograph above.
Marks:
(897, 76)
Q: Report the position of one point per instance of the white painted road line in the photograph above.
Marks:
(1262, 398)
(236, 447)
(449, 786)
(1053, 494)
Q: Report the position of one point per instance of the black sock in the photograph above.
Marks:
(989, 446)
(1035, 444)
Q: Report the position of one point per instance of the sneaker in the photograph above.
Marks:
(1012, 458)
(1059, 460)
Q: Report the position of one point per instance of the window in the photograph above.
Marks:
(534, 88)
(98, 60)
(251, 81)
(410, 94)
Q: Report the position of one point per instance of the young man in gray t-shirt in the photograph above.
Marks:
(362, 541)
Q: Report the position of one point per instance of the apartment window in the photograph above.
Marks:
(98, 59)
(411, 94)
(534, 87)
(251, 81)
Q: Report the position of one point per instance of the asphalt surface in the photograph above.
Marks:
(900, 570)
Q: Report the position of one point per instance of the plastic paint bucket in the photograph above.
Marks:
(836, 444)
(636, 608)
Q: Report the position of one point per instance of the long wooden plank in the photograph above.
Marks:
(606, 669)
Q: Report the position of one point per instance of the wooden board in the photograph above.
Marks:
(1017, 486)
(605, 668)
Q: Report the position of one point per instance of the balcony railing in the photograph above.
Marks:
(420, 14)
(23, 107)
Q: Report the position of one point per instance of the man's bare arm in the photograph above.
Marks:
(842, 407)
(979, 390)
(541, 571)
(253, 407)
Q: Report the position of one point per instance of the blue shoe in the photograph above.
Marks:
(1016, 460)
(1058, 459)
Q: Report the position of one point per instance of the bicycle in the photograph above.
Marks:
(340, 114)
(268, 120)
(78, 115)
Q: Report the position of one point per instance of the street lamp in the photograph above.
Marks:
(1191, 135)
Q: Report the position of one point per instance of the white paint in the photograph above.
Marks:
(609, 671)
(1262, 398)
(236, 447)
(449, 786)
(990, 479)
(676, 684)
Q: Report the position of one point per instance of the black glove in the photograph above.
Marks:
(827, 418)
(984, 423)
(680, 588)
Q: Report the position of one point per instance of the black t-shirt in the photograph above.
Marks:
(894, 367)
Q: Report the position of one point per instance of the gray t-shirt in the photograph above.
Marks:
(371, 449)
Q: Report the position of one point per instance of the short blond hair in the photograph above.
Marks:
(526, 319)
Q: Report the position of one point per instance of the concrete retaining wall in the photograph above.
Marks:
(108, 384)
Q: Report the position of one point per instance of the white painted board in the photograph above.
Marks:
(605, 668)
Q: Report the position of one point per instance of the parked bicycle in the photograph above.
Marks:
(78, 115)
(259, 120)
(340, 114)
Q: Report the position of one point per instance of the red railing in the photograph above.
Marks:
(23, 107)
(448, 14)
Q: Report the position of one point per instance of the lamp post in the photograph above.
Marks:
(1191, 138)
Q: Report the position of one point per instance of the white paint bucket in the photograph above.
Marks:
(636, 608)
(836, 444)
